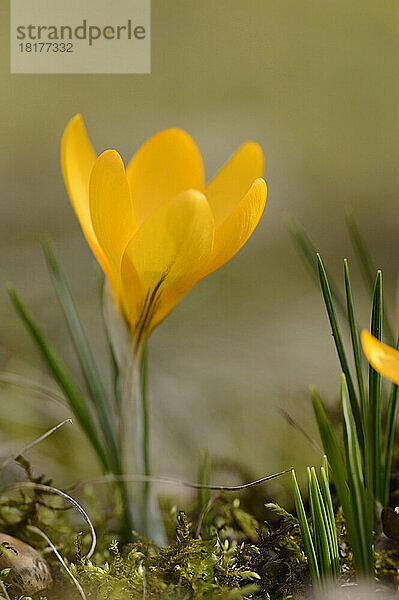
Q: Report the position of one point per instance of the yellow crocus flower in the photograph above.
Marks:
(382, 358)
(156, 228)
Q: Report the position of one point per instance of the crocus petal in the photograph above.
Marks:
(132, 298)
(167, 249)
(234, 179)
(382, 358)
(166, 165)
(111, 210)
(235, 230)
(77, 160)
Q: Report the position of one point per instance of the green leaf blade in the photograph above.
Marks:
(327, 499)
(373, 420)
(76, 401)
(367, 268)
(305, 531)
(361, 498)
(323, 525)
(308, 253)
(338, 470)
(325, 287)
(89, 369)
(354, 336)
(389, 442)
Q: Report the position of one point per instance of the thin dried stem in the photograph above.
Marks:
(204, 512)
(175, 481)
(291, 421)
(50, 490)
(3, 589)
(58, 555)
(31, 386)
(34, 443)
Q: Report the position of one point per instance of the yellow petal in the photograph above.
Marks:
(167, 249)
(111, 210)
(382, 358)
(77, 160)
(235, 230)
(166, 165)
(234, 179)
(132, 297)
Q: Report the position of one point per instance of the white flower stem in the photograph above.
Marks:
(135, 445)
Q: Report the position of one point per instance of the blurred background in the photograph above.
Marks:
(317, 85)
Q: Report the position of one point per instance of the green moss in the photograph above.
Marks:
(226, 555)
(280, 560)
(190, 567)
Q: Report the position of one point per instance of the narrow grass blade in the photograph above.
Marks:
(389, 440)
(308, 253)
(338, 470)
(361, 499)
(321, 529)
(354, 336)
(331, 447)
(102, 406)
(366, 265)
(315, 537)
(326, 494)
(204, 479)
(305, 247)
(374, 407)
(89, 369)
(325, 287)
(305, 531)
(60, 375)
(362, 253)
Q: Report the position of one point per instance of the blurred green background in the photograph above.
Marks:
(316, 84)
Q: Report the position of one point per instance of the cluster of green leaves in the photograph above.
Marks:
(321, 548)
(362, 472)
(98, 410)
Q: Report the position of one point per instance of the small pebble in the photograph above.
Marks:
(29, 571)
(390, 523)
